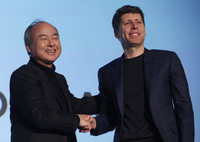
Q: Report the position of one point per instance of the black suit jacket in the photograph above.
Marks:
(167, 91)
(36, 111)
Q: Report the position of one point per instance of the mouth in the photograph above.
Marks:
(135, 34)
(50, 51)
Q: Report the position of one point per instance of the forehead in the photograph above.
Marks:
(131, 16)
(43, 28)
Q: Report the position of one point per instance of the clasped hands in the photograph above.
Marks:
(87, 122)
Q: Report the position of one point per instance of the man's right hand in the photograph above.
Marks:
(84, 124)
(87, 123)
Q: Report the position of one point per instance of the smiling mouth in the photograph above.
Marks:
(135, 34)
(50, 51)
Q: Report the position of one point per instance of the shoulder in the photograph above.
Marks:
(162, 58)
(21, 71)
(60, 76)
(111, 65)
(22, 75)
(160, 54)
(28, 72)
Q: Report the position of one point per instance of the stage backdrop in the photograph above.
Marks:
(88, 43)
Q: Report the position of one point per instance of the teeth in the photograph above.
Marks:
(134, 34)
(50, 51)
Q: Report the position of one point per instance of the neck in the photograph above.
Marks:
(133, 52)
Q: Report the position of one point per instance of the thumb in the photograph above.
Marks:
(87, 117)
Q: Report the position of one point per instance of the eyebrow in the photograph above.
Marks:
(55, 34)
(41, 35)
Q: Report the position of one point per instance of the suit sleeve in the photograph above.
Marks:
(29, 106)
(106, 120)
(182, 101)
(85, 105)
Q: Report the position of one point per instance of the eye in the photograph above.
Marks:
(55, 37)
(127, 23)
(43, 38)
(139, 22)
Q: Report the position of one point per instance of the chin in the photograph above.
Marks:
(51, 59)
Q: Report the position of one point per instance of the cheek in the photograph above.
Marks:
(59, 51)
(124, 36)
(59, 48)
(42, 45)
(58, 45)
(40, 49)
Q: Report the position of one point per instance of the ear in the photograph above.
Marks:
(116, 34)
(28, 49)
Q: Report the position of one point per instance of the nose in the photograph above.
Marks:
(50, 43)
(134, 26)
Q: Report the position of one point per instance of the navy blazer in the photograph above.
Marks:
(167, 91)
(37, 113)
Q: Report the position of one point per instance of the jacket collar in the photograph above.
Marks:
(119, 62)
(117, 75)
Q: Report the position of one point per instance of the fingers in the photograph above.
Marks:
(84, 120)
(85, 129)
(88, 117)
(87, 123)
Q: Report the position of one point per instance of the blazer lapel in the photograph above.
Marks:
(117, 76)
(149, 74)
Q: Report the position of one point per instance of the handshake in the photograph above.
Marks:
(87, 122)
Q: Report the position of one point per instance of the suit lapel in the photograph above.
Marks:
(149, 74)
(117, 76)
